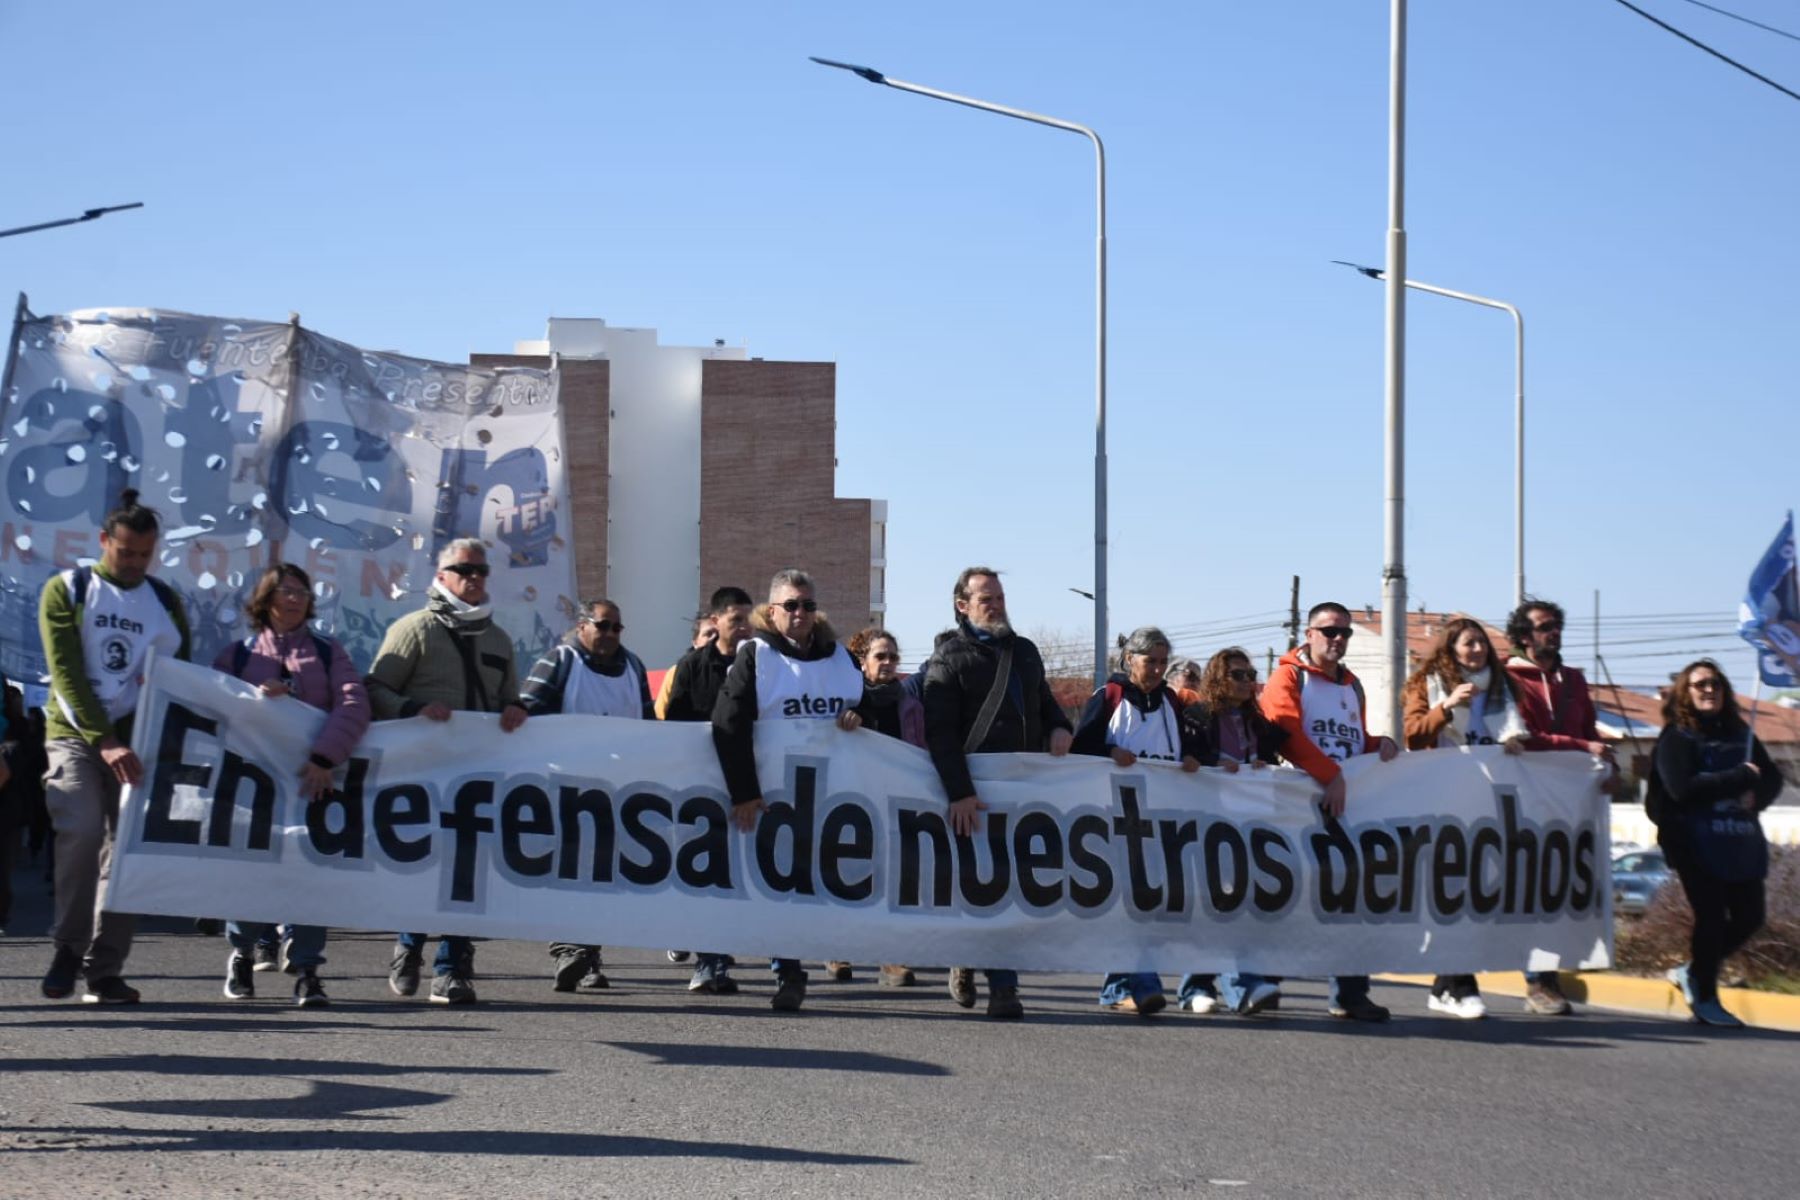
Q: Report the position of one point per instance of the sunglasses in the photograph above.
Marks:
(1242, 676)
(1547, 627)
(1332, 631)
(797, 605)
(478, 570)
(1708, 684)
(885, 657)
(606, 626)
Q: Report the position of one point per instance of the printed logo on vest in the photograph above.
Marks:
(813, 706)
(115, 654)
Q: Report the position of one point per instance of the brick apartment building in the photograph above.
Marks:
(693, 467)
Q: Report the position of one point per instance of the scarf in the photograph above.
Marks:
(459, 617)
(1481, 721)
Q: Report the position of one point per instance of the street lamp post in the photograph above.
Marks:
(1518, 409)
(92, 214)
(1393, 571)
(874, 76)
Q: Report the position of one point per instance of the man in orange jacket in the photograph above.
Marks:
(1319, 704)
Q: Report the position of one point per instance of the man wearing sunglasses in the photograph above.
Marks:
(448, 657)
(1554, 701)
(1315, 700)
(588, 673)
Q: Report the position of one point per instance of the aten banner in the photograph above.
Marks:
(260, 442)
(599, 830)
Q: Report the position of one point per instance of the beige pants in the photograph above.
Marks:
(83, 799)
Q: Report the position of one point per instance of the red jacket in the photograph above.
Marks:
(1280, 702)
(1555, 704)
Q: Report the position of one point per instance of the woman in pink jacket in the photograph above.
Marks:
(286, 657)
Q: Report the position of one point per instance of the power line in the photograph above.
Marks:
(1746, 20)
(1788, 92)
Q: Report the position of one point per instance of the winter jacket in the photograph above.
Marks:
(1200, 725)
(334, 686)
(957, 682)
(1555, 704)
(695, 683)
(545, 688)
(1282, 704)
(892, 710)
(421, 662)
(736, 711)
(1696, 768)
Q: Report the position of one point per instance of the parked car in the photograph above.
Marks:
(1637, 875)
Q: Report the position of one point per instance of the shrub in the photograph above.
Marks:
(1659, 939)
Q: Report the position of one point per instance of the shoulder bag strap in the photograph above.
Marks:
(984, 720)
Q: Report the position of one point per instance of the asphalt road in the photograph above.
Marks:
(642, 1090)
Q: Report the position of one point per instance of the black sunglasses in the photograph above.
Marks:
(1240, 675)
(605, 626)
(1333, 631)
(478, 570)
(797, 605)
(1547, 627)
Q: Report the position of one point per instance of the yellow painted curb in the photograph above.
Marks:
(1634, 993)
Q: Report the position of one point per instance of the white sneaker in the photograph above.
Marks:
(1467, 1008)
(1201, 1002)
(1257, 997)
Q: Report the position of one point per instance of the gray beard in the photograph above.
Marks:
(999, 628)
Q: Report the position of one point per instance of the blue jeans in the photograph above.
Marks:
(454, 953)
(306, 943)
(1002, 978)
(1122, 984)
(716, 962)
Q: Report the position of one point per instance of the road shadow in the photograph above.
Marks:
(323, 1100)
(170, 1018)
(240, 1066)
(690, 1054)
(447, 1143)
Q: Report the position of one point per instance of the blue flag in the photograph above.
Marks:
(1769, 617)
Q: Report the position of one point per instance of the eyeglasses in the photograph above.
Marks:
(478, 570)
(606, 626)
(1710, 683)
(797, 605)
(1332, 631)
(293, 591)
(1547, 627)
(885, 657)
(1243, 676)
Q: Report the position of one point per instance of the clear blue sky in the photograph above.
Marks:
(438, 179)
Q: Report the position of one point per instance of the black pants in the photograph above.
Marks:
(1725, 916)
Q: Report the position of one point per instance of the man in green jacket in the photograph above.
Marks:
(447, 657)
(99, 626)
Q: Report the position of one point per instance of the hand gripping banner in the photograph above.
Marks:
(262, 442)
(592, 829)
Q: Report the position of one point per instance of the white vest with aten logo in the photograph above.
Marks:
(789, 689)
(119, 628)
(1332, 716)
(588, 691)
(1147, 735)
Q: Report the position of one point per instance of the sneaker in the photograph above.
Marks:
(287, 962)
(1544, 997)
(1003, 1003)
(678, 956)
(451, 989)
(790, 992)
(1137, 1006)
(570, 968)
(59, 980)
(838, 971)
(309, 992)
(704, 977)
(403, 975)
(1467, 1008)
(265, 957)
(1711, 1012)
(1258, 998)
(894, 975)
(1679, 977)
(111, 990)
(1360, 1008)
(962, 986)
(240, 984)
(1200, 1000)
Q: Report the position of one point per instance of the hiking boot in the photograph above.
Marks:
(790, 992)
(894, 975)
(403, 975)
(1003, 1003)
(570, 968)
(309, 992)
(111, 990)
(1544, 997)
(59, 980)
(240, 984)
(962, 986)
(451, 989)
(264, 956)
(1136, 1006)
(838, 971)
(595, 980)
(1357, 1008)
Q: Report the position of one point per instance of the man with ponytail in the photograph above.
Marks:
(100, 624)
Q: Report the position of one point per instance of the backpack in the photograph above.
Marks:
(78, 588)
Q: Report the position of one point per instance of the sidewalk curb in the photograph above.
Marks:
(1636, 994)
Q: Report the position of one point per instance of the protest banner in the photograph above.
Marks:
(594, 829)
(260, 442)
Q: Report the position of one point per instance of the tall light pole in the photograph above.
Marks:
(874, 76)
(1393, 571)
(1518, 409)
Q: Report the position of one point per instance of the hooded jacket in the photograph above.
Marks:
(1555, 704)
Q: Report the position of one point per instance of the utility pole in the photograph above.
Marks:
(1596, 633)
(1293, 621)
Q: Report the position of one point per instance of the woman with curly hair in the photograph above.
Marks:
(1711, 777)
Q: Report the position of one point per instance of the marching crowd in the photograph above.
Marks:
(983, 690)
